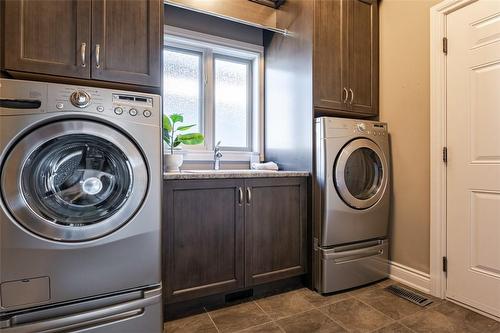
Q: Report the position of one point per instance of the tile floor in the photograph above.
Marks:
(368, 309)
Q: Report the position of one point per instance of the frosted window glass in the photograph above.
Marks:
(231, 103)
(182, 85)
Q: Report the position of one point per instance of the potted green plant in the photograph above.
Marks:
(174, 135)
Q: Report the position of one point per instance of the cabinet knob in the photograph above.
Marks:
(352, 96)
(346, 93)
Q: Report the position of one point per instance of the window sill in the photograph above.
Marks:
(227, 156)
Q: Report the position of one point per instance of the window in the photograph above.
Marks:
(216, 84)
(233, 92)
(183, 77)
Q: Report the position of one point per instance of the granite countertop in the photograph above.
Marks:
(218, 174)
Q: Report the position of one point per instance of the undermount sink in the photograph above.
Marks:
(226, 171)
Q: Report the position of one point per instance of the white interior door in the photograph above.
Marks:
(473, 139)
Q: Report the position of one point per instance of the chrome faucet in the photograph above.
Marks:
(217, 156)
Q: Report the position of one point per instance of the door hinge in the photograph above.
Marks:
(445, 154)
(445, 45)
(445, 264)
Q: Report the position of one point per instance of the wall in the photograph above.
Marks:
(404, 105)
(288, 90)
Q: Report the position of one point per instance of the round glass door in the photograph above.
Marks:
(361, 173)
(82, 182)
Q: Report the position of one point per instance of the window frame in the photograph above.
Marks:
(212, 48)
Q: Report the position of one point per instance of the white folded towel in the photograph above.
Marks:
(265, 166)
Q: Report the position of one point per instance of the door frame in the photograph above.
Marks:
(438, 127)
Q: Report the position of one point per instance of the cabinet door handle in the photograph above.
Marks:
(83, 47)
(352, 96)
(240, 195)
(249, 195)
(97, 56)
(346, 93)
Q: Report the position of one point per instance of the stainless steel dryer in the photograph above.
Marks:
(80, 209)
(353, 196)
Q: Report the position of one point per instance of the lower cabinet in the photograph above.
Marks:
(222, 235)
(275, 229)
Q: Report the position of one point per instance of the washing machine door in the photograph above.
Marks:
(361, 173)
(74, 180)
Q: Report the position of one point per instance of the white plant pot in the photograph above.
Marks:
(173, 162)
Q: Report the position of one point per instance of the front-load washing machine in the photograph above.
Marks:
(80, 209)
(352, 195)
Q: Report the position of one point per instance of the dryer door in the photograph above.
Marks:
(74, 180)
(361, 173)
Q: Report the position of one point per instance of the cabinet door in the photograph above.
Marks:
(363, 56)
(202, 238)
(275, 229)
(48, 37)
(330, 54)
(126, 41)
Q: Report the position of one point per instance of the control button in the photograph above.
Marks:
(100, 108)
(118, 110)
(361, 127)
(132, 112)
(147, 113)
(59, 106)
(80, 99)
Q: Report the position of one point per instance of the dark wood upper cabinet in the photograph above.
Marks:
(275, 229)
(363, 56)
(106, 40)
(346, 57)
(330, 55)
(126, 41)
(202, 238)
(48, 37)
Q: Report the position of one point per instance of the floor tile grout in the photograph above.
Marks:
(265, 312)
(334, 320)
(279, 326)
(375, 309)
(411, 330)
(394, 320)
(211, 319)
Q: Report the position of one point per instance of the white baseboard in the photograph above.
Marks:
(411, 277)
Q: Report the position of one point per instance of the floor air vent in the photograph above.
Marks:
(409, 295)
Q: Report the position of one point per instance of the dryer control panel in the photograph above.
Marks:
(371, 128)
(331, 127)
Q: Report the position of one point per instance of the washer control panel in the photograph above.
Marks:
(79, 98)
(20, 97)
(137, 107)
(132, 105)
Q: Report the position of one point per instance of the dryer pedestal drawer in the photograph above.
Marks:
(344, 267)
